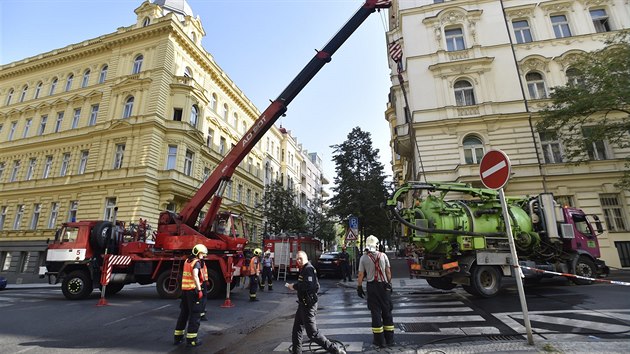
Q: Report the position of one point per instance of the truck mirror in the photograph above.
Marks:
(598, 225)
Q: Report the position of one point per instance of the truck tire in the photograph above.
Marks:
(113, 288)
(485, 281)
(98, 236)
(216, 284)
(443, 283)
(585, 267)
(77, 285)
(161, 285)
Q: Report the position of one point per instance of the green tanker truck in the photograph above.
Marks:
(460, 231)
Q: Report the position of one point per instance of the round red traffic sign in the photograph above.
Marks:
(494, 169)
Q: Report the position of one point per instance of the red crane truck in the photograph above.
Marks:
(85, 255)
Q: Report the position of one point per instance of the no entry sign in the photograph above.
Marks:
(494, 169)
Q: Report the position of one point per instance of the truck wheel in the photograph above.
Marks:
(216, 284)
(163, 289)
(113, 288)
(585, 268)
(485, 281)
(443, 283)
(98, 236)
(77, 285)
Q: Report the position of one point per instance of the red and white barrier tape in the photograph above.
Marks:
(577, 276)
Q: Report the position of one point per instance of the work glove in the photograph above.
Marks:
(200, 294)
(388, 287)
(360, 291)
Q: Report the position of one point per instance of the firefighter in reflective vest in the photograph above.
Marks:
(267, 271)
(254, 273)
(375, 267)
(192, 306)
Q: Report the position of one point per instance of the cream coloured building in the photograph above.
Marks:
(134, 119)
(476, 73)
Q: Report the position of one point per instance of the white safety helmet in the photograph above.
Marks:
(200, 248)
(257, 252)
(371, 243)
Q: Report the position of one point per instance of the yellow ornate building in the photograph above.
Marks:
(134, 119)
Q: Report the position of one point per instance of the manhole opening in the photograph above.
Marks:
(500, 337)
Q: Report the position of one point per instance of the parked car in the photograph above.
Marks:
(329, 264)
(3, 283)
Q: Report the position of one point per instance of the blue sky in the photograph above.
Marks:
(260, 44)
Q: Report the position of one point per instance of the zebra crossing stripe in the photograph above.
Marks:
(323, 314)
(447, 331)
(512, 319)
(363, 305)
(422, 319)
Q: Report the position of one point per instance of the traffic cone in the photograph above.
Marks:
(227, 303)
(102, 302)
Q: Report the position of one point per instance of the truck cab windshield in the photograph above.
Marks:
(66, 234)
(582, 225)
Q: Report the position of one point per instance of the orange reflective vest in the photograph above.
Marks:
(254, 266)
(188, 279)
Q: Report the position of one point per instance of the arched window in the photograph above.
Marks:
(86, 78)
(226, 111)
(243, 126)
(38, 90)
(194, 114)
(193, 35)
(10, 96)
(235, 120)
(23, 95)
(536, 85)
(574, 77)
(137, 64)
(213, 102)
(146, 22)
(103, 75)
(187, 72)
(473, 149)
(128, 107)
(53, 86)
(69, 82)
(464, 93)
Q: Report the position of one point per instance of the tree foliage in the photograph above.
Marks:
(318, 223)
(360, 184)
(282, 211)
(594, 107)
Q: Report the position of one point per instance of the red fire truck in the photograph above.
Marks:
(284, 250)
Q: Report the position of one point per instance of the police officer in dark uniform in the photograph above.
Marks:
(375, 267)
(307, 286)
(344, 257)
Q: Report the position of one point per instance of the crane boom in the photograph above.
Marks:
(217, 181)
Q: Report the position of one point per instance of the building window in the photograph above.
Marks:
(58, 122)
(37, 209)
(110, 204)
(42, 125)
(128, 107)
(243, 127)
(171, 158)
(213, 102)
(24, 259)
(6, 261)
(597, 149)
(222, 146)
(177, 114)
(228, 190)
(137, 64)
(3, 216)
(146, 22)
(522, 32)
(464, 93)
(15, 171)
(65, 162)
(613, 212)
(206, 173)
(47, 166)
(27, 127)
(76, 117)
(600, 20)
(574, 77)
(564, 200)
(560, 26)
(86, 78)
(239, 193)
(536, 86)
(188, 163)
(551, 147)
(54, 212)
(38, 90)
(12, 130)
(473, 150)
(19, 214)
(72, 210)
(194, 114)
(209, 138)
(23, 95)
(83, 161)
(53, 86)
(69, 82)
(226, 112)
(32, 163)
(9, 96)
(119, 155)
(187, 72)
(454, 39)
(235, 120)
(103, 74)
(93, 115)
(248, 197)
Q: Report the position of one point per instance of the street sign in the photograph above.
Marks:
(351, 236)
(494, 169)
(353, 222)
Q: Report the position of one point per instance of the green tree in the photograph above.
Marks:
(594, 106)
(360, 185)
(319, 224)
(282, 211)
